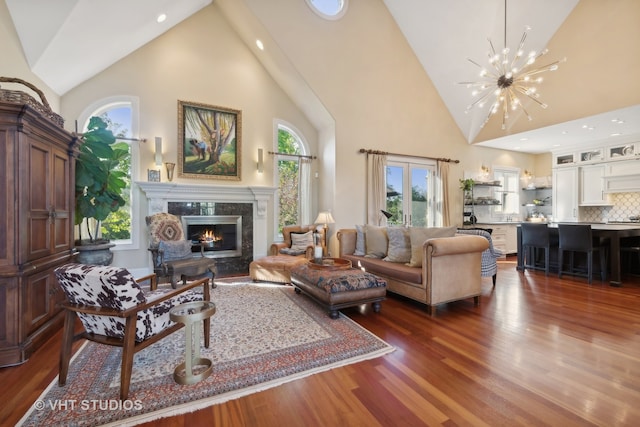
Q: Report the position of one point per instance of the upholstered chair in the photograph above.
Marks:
(298, 241)
(489, 262)
(115, 310)
(172, 255)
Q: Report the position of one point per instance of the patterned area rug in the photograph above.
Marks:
(262, 335)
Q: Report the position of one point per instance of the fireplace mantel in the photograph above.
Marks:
(159, 194)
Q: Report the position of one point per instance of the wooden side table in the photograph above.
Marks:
(194, 368)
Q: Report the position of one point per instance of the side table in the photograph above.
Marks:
(190, 314)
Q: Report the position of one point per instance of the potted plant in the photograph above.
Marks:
(99, 187)
(466, 184)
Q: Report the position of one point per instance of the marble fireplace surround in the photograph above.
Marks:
(159, 194)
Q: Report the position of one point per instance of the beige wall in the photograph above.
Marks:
(364, 72)
(201, 60)
(14, 63)
(360, 68)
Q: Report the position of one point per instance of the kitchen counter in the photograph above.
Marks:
(612, 232)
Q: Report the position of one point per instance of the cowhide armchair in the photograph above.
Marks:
(115, 310)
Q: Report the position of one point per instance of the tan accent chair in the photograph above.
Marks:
(286, 233)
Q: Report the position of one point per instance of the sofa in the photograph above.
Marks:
(443, 266)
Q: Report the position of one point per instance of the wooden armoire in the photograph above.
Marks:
(37, 170)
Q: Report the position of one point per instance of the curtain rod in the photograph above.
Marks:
(442, 159)
(293, 155)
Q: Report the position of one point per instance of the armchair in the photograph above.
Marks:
(114, 310)
(304, 246)
(171, 253)
(489, 264)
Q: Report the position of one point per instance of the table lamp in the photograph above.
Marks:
(325, 218)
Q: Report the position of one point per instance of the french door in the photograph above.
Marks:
(411, 193)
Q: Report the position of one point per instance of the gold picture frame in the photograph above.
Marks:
(209, 141)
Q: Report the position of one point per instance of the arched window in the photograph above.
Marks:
(121, 115)
(293, 177)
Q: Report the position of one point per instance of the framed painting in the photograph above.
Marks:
(209, 141)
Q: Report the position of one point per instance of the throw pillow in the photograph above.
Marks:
(376, 241)
(291, 251)
(301, 241)
(399, 245)
(360, 241)
(175, 249)
(419, 235)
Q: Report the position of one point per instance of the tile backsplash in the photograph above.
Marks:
(624, 206)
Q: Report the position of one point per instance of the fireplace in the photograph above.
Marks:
(220, 235)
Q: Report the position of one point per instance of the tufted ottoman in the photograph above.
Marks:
(339, 288)
(274, 268)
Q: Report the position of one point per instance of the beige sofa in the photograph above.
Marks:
(450, 268)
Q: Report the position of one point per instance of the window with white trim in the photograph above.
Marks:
(120, 114)
(294, 195)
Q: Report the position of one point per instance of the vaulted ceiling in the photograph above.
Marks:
(77, 39)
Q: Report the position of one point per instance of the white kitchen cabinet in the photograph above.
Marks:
(503, 237)
(592, 186)
(565, 194)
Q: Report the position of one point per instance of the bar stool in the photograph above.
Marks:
(630, 247)
(535, 236)
(579, 238)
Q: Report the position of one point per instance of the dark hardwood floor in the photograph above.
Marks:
(537, 351)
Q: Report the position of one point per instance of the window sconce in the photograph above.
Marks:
(158, 151)
(260, 161)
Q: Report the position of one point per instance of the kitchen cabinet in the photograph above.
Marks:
(592, 186)
(503, 236)
(565, 194)
(37, 163)
(622, 176)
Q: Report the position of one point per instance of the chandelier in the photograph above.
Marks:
(507, 79)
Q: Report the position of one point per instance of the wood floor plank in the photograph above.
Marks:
(536, 351)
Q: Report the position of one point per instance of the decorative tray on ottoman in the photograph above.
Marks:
(331, 264)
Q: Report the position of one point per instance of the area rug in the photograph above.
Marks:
(262, 335)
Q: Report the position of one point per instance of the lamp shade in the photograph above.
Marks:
(324, 218)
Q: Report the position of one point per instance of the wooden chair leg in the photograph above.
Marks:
(128, 351)
(65, 350)
(494, 279)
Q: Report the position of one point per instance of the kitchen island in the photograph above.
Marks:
(612, 232)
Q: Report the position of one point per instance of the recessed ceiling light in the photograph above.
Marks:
(161, 18)
(564, 132)
(524, 139)
(616, 134)
(259, 44)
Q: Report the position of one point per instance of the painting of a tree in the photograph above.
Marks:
(209, 141)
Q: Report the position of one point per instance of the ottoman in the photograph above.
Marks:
(274, 268)
(339, 288)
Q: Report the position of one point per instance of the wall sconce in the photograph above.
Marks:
(484, 171)
(260, 161)
(158, 151)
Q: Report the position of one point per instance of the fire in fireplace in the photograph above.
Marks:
(220, 235)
